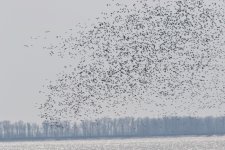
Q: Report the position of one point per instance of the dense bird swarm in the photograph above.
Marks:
(165, 54)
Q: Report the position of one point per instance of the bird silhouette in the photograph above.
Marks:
(169, 55)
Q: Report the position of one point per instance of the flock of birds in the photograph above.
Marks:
(142, 55)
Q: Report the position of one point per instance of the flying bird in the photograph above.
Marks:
(141, 54)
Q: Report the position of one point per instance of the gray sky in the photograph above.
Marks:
(24, 70)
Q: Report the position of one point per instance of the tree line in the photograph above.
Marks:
(107, 127)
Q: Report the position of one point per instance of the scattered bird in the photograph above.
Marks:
(161, 56)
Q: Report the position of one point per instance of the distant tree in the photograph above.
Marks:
(6, 130)
(120, 127)
(75, 130)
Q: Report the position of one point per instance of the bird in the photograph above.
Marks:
(138, 55)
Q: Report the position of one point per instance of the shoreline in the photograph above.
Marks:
(108, 138)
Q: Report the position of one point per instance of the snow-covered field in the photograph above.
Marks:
(179, 143)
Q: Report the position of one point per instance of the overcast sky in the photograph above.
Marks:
(24, 70)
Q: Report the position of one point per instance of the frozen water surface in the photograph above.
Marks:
(179, 143)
